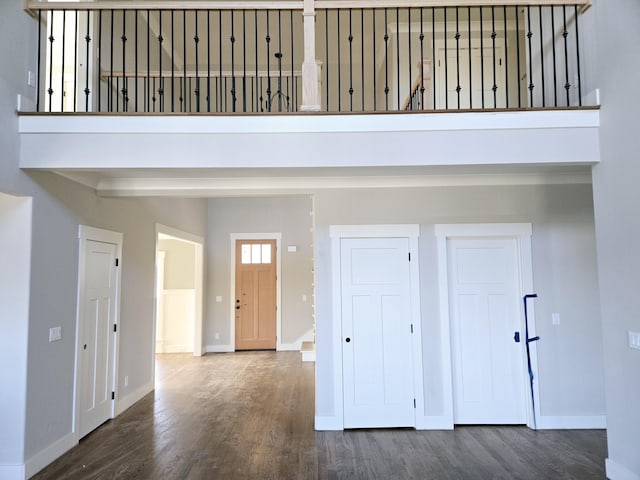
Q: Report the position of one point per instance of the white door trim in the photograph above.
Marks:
(87, 233)
(521, 232)
(411, 232)
(198, 243)
(232, 288)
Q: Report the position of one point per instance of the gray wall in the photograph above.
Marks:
(58, 207)
(564, 269)
(290, 216)
(614, 64)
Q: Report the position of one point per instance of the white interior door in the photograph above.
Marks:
(488, 368)
(376, 333)
(97, 341)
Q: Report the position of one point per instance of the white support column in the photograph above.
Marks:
(311, 101)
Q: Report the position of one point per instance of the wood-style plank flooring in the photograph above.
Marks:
(250, 416)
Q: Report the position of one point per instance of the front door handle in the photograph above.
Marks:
(347, 339)
(516, 337)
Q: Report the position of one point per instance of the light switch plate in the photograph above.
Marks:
(555, 319)
(634, 340)
(292, 248)
(218, 299)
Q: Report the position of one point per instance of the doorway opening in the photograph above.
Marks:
(179, 285)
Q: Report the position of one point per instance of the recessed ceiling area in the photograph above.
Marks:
(230, 182)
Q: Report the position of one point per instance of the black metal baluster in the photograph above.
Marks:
(278, 55)
(386, 61)
(506, 62)
(99, 102)
(482, 56)
(196, 41)
(51, 40)
(173, 62)
(268, 40)
(209, 61)
(153, 96)
(339, 63)
(111, 68)
(39, 60)
(433, 53)
(136, 60)
(398, 105)
(125, 92)
(518, 55)
(529, 36)
(421, 58)
(350, 64)
(220, 60)
(293, 78)
(470, 59)
(116, 92)
(326, 51)
(553, 54)
(87, 39)
(577, 17)
(373, 63)
(160, 79)
(183, 90)
(64, 35)
(244, 62)
(544, 103)
(232, 39)
(75, 63)
(257, 75)
(362, 55)
(565, 34)
(446, 64)
(457, 37)
(493, 48)
(409, 51)
(147, 107)
(226, 108)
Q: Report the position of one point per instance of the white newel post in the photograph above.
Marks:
(310, 67)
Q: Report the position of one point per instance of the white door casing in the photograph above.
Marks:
(484, 292)
(96, 336)
(520, 233)
(364, 295)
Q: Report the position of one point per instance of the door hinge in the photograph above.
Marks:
(414, 403)
(113, 395)
(115, 327)
(117, 262)
(409, 256)
(412, 328)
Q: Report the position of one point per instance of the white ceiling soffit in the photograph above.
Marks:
(207, 187)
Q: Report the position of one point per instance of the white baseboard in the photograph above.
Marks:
(12, 472)
(434, 422)
(323, 424)
(43, 458)
(297, 344)
(177, 349)
(615, 471)
(218, 349)
(549, 422)
(127, 401)
(309, 356)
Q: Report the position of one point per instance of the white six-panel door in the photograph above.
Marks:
(376, 333)
(96, 348)
(488, 376)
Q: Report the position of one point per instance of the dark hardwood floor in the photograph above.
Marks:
(250, 416)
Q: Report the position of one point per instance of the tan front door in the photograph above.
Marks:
(255, 294)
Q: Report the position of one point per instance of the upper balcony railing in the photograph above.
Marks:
(289, 56)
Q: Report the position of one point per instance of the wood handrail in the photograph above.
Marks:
(33, 5)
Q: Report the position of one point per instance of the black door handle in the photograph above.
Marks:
(347, 339)
(516, 337)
